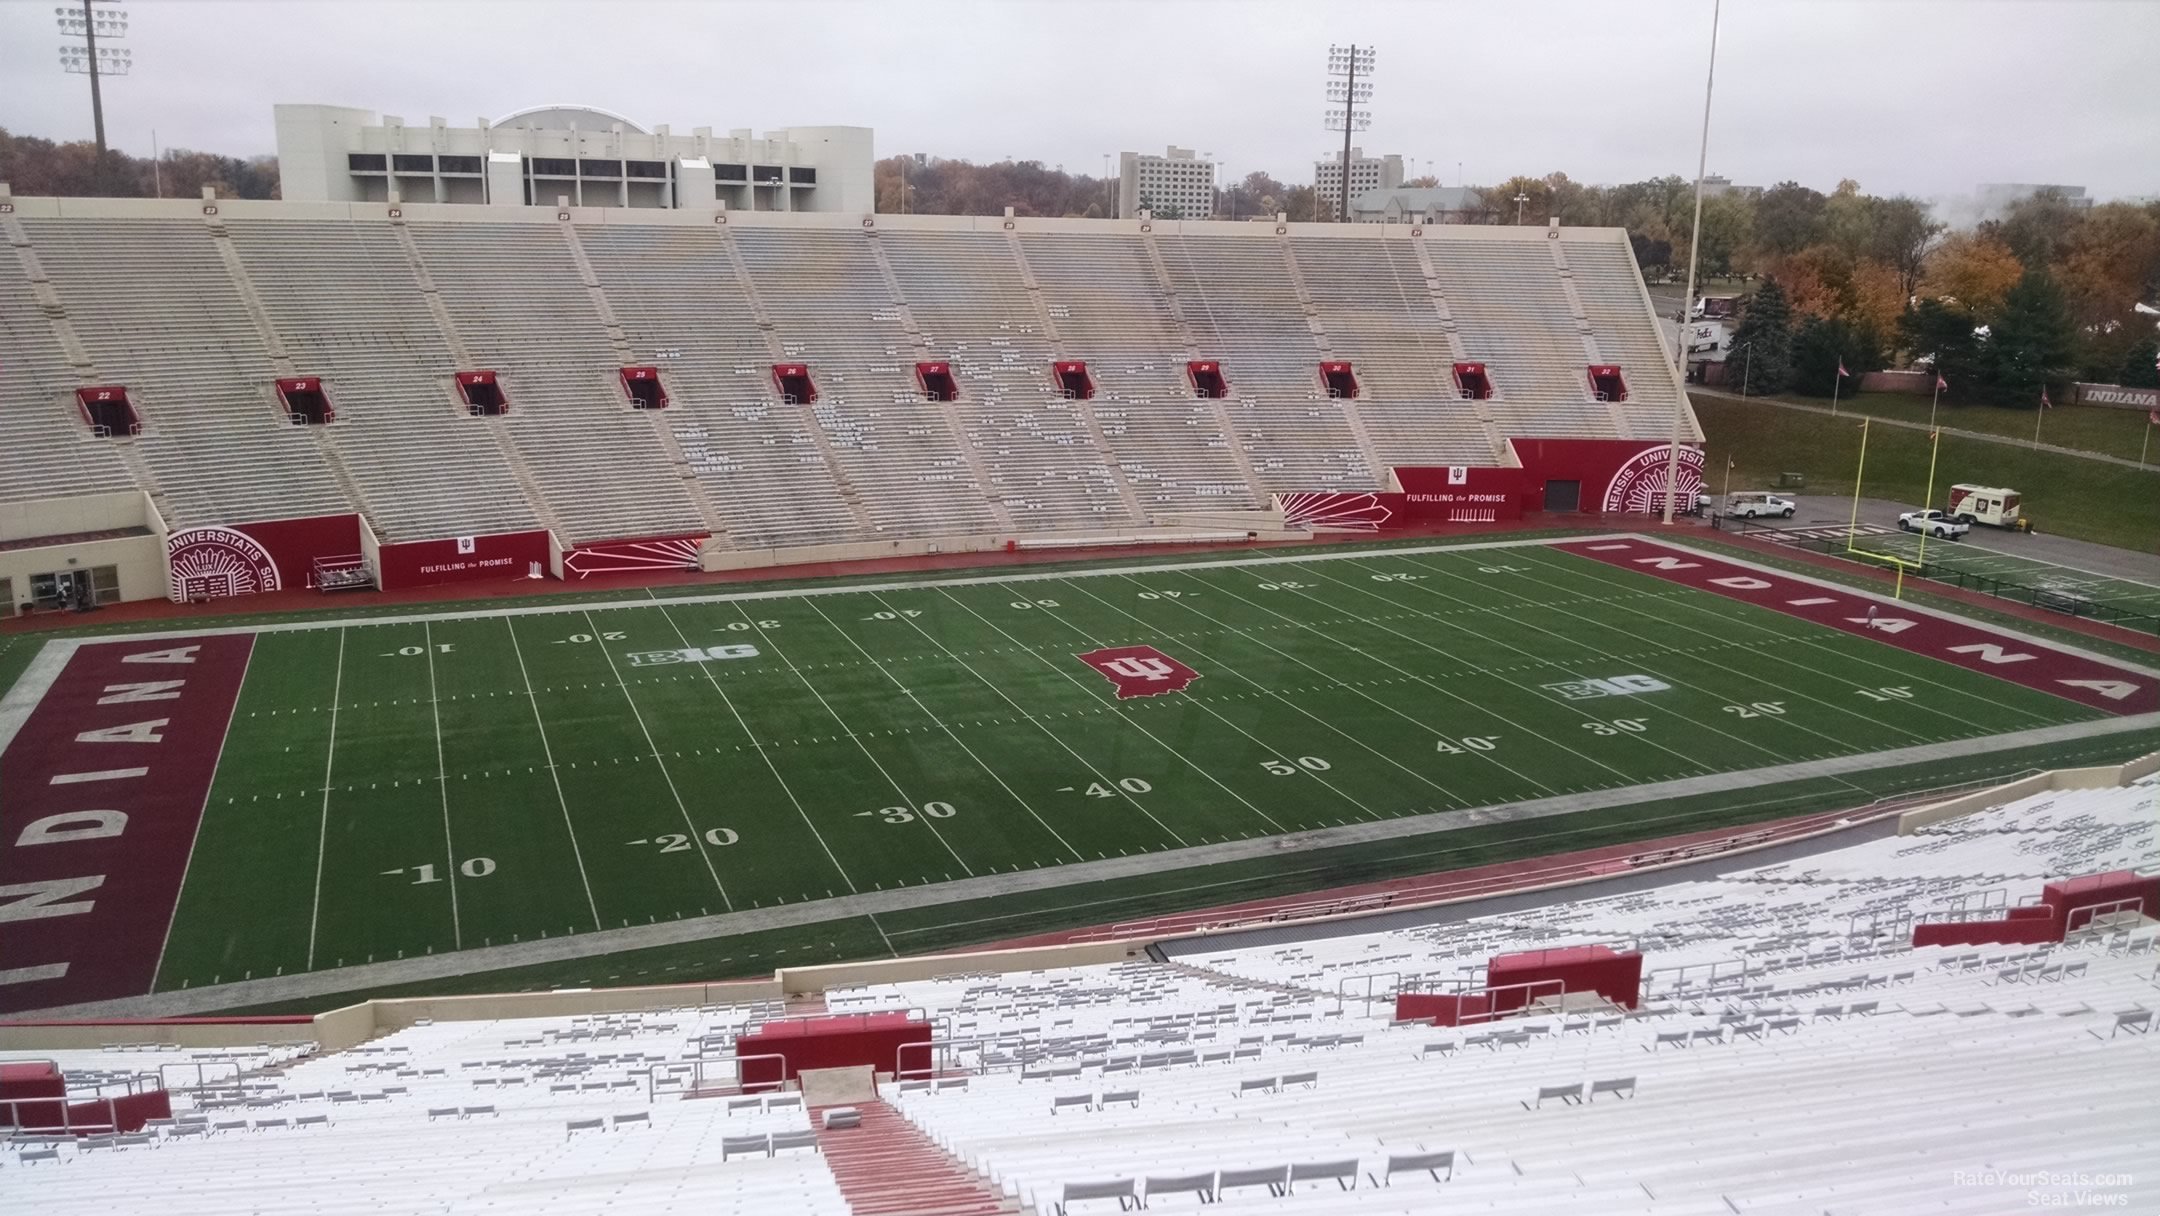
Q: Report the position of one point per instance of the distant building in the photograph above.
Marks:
(1176, 179)
(1714, 185)
(1367, 173)
(1999, 196)
(592, 157)
(1409, 204)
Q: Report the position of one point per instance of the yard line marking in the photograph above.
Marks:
(322, 836)
(762, 754)
(1857, 655)
(442, 782)
(548, 752)
(1648, 706)
(203, 812)
(1788, 690)
(1424, 680)
(653, 749)
(864, 748)
(910, 694)
(1211, 712)
(1096, 695)
(1277, 695)
(1054, 736)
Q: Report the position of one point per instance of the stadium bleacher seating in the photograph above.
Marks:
(1792, 1054)
(197, 317)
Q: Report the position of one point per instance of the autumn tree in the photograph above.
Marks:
(1975, 270)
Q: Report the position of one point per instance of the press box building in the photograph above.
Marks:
(591, 157)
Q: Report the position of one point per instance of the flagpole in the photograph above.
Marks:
(1852, 531)
(1687, 302)
(2039, 414)
(1934, 447)
(1836, 382)
(1932, 401)
(2146, 442)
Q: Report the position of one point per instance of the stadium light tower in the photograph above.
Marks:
(1349, 62)
(90, 59)
(1687, 302)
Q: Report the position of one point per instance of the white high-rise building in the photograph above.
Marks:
(1177, 179)
(591, 157)
(1367, 173)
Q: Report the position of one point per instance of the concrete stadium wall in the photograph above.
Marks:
(139, 561)
(797, 980)
(2102, 777)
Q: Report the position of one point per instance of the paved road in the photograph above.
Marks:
(1820, 510)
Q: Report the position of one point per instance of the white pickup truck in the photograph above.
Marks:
(1933, 523)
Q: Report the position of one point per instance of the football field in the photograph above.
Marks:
(390, 788)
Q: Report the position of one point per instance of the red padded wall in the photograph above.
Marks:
(839, 1041)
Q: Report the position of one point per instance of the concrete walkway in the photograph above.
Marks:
(591, 945)
(1696, 390)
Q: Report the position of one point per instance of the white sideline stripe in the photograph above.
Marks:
(202, 812)
(322, 838)
(30, 687)
(796, 592)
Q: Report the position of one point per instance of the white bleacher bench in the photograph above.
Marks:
(1083, 1101)
(796, 1139)
(1120, 1189)
(1343, 1173)
(1568, 1095)
(1263, 1084)
(574, 1126)
(1276, 1178)
(1130, 1097)
(2135, 1021)
(1429, 1164)
(634, 1117)
(737, 1146)
(441, 1112)
(1306, 1079)
(470, 1111)
(1619, 1087)
(1202, 1185)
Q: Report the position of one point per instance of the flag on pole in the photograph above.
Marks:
(1941, 384)
(2044, 402)
(1842, 373)
(2153, 416)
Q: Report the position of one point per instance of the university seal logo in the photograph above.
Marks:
(211, 563)
(1140, 671)
(1639, 486)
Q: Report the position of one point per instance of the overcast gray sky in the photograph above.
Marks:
(1926, 97)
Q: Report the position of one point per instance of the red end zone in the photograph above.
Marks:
(2090, 682)
(100, 795)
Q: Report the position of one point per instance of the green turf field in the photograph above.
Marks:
(405, 787)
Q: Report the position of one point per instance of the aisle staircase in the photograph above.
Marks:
(888, 1167)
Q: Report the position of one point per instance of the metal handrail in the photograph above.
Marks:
(694, 1070)
(2111, 909)
(14, 1108)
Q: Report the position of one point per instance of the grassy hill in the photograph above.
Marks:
(2066, 495)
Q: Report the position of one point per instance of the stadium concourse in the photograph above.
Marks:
(1780, 1045)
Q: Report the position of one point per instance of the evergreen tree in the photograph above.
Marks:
(1763, 343)
(1944, 332)
(2032, 344)
(1821, 344)
(2138, 367)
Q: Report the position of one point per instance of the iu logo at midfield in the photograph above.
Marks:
(1140, 671)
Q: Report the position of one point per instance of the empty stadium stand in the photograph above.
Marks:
(197, 310)
(1791, 1053)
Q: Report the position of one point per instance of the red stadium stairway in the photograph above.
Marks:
(888, 1167)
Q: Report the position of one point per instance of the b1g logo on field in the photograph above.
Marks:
(691, 654)
(1140, 671)
(1617, 686)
